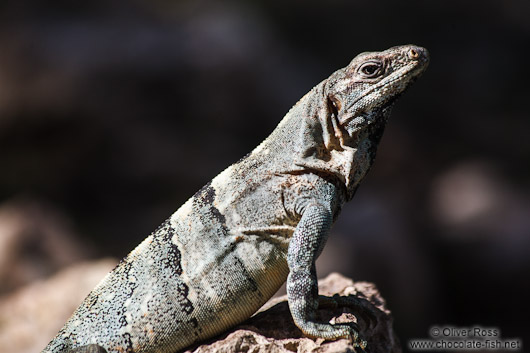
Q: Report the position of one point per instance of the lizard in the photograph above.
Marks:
(262, 221)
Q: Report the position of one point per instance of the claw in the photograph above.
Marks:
(356, 341)
(354, 336)
(362, 344)
(365, 308)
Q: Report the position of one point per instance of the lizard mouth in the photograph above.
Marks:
(385, 92)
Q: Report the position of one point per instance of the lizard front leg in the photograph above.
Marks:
(302, 286)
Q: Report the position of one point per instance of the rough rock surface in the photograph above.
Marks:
(32, 315)
(36, 240)
(273, 330)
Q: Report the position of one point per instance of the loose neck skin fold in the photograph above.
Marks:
(310, 139)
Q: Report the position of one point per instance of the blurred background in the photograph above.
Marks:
(112, 114)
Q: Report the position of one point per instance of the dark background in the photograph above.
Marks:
(113, 114)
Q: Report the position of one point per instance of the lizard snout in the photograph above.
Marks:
(418, 53)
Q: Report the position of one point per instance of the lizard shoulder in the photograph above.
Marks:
(300, 190)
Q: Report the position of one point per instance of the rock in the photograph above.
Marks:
(36, 240)
(272, 329)
(30, 317)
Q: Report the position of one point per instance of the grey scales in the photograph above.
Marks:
(260, 222)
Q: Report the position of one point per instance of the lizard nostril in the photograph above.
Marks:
(414, 54)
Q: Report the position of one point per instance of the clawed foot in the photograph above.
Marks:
(360, 307)
(358, 342)
(364, 308)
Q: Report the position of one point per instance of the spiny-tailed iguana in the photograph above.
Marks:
(263, 220)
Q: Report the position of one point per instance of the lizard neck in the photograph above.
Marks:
(309, 139)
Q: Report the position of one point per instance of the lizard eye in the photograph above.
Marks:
(371, 69)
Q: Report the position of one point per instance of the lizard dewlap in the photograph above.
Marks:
(262, 221)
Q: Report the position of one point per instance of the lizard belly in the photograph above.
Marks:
(230, 270)
(231, 278)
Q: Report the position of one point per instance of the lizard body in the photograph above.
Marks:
(261, 221)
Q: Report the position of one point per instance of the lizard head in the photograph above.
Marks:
(362, 93)
(345, 115)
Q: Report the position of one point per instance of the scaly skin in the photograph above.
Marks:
(263, 220)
